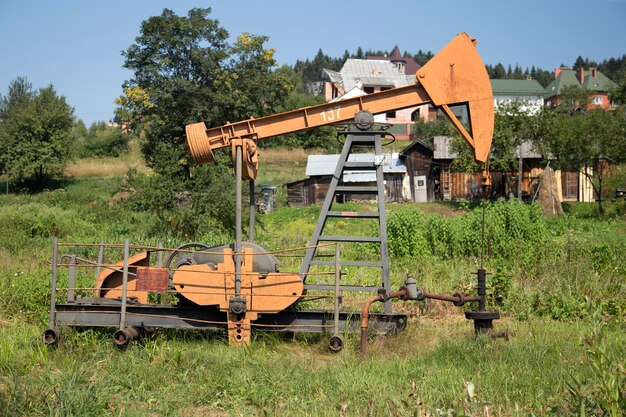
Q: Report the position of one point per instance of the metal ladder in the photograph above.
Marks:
(360, 134)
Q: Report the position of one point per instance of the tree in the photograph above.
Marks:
(184, 71)
(35, 136)
(617, 94)
(101, 140)
(589, 143)
(574, 98)
(425, 131)
(580, 63)
(513, 125)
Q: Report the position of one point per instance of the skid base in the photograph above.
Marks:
(89, 312)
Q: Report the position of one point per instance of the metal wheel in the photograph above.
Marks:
(181, 257)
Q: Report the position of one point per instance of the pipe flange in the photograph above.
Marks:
(461, 299)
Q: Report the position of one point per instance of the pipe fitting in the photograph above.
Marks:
(50, 336)
(460, 302)
(411, 289)
(335, 343)
(366, 312)
(123, 337)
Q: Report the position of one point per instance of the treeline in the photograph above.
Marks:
(311, 70)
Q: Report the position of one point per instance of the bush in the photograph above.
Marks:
(35, 221)
(102, 140)
(406, 234)
(510, 226)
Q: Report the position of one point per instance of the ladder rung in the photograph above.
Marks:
(375, 239)
(356, 189)
(359, 214)
(348, 263)
(326, 287)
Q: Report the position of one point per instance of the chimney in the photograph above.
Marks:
(528, 78)
(580, 74)
(557, 71)
(594, 72)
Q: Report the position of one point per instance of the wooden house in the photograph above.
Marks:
(321, 168)
(422, 174)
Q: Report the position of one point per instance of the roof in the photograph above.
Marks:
(354, 92)
(517, 88)
(363, 72)
(526, 150)
(318, 165)
(333, 76)
(414, 143)
(567, 77)
(410, 66)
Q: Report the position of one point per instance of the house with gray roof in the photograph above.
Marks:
(359, 77)
(321, 168)
(404, 64)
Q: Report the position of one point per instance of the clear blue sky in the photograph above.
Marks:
(75, 44)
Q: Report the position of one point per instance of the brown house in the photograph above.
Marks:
(422, 174)
(321, 168)
(592, 80)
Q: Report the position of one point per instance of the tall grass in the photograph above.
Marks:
(424, 371)
(556, 281)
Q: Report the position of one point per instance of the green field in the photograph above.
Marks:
(559, 284)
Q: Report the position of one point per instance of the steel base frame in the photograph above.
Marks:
(92, 313)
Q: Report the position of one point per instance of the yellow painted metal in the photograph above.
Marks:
(269, 293)
(109, 282)
(456, 75)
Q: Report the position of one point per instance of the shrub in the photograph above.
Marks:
(34, 221)
(102, 140)
(406, 233)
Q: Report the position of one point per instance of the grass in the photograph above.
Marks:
(563, 307)
(424, 369)
(106, 166)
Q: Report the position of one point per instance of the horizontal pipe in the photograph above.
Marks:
(457, 299)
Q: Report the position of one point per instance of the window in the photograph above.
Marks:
(597, 100)
(368, 90)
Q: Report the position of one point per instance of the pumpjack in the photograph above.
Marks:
(240, 286)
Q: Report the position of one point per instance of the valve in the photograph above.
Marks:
(412, 291)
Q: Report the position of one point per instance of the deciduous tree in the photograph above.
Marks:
(35, 133)
(590, 142)
(184, 71)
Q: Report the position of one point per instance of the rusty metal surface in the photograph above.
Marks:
(457, 75)
(366, 312)
(221, 285)
(152, 279)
